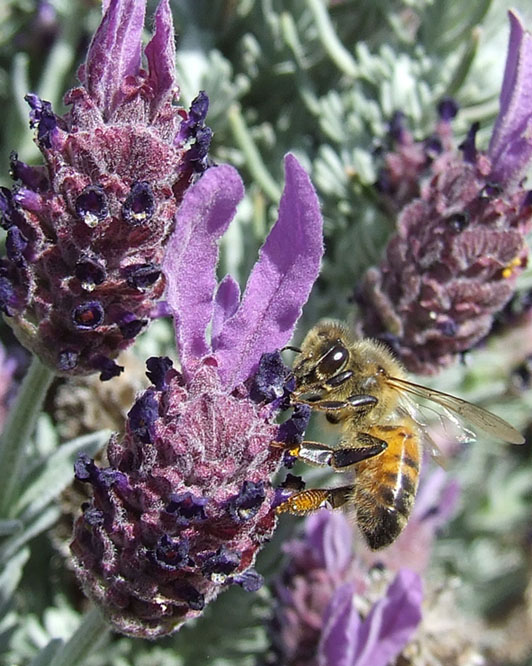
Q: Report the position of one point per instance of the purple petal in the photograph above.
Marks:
(192, 253)
(339, 636)
(114, 53)
(391, 622)
(226, 304)
(511, 143)
(160, 53)
(280, 281)
(330, 537)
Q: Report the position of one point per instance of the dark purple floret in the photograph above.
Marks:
(33, 177)
(173, 553)
(196, 117)
(88, 316)
(85, 469)
(458, 221)
(158, 367)
(293, 429)
(139, 206)
(527, 200)
(107, 367)
(187, 508)
(468, 145)
(491, 190)
(194, 599)
(16, 244)
(433, 147)
(91, 205)
(250, 580)
(222, 563)
(8, 297)
(67, 360)
(196, 155)
(270, 379)
(396, 127)
(447, 109)
(94, 517)
(142, 416)
(131, 327)
(246, 504)
(42, 117)
(90, 272)
(142, 276)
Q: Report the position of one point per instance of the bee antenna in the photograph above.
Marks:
(291, 348)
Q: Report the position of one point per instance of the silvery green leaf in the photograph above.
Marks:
(8, 527)
(55, 473)
(10, 577)
(47, 654)
(38, 524)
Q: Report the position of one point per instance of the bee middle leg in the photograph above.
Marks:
(321, 455)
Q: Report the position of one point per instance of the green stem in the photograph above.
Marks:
(254, 161)
(18, 430)
(92, 629)
(330, 41)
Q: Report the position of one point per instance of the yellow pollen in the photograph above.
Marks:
(508, 271)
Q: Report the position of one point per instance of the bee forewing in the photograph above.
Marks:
(477, 416)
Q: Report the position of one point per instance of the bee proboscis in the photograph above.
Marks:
(360, 386)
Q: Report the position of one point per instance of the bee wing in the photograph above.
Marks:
(477, 416)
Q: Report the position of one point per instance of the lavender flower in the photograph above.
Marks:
(331, 610)
(460, 243)
(86, 231)
(187, 499)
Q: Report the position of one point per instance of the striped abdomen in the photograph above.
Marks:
(386, 485)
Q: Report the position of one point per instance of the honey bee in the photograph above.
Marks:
(360, 386)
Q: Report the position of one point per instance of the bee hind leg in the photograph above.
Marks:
(307, 501)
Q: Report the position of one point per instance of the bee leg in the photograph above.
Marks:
(321, 455)
(359, 402)
(344, 457)
(306, 501)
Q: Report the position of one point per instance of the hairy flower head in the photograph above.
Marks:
(462, 218)
(187, 499)
(86, 230)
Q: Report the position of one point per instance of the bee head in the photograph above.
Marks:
(324, 353)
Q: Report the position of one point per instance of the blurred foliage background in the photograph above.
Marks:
(321, 80)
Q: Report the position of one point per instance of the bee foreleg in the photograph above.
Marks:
(359, 402)
(307, 501)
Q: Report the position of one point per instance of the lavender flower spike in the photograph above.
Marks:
(188, 500)
(510, 148)
(86, 231)
(462, 221)
(332, 610)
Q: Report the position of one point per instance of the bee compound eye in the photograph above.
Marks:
(333, 360)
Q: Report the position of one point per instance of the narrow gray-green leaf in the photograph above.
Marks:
(47, 654)
(39, 524)
(56, 473)
(10, 578)
(8, 527)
